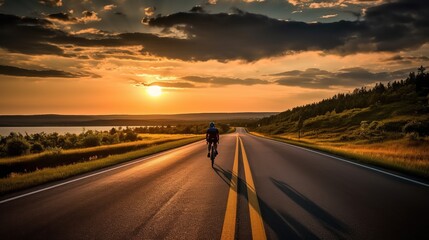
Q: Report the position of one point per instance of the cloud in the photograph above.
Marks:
(247, 36)
(208, 38)
(329, 16)
(312, 78)
(166, 84)
(407, 58)
(62, 17)
(199, 82)
(16, 71)
(109, 7)
(223, 81)
(235, 36)
(92, 31)
(333, 3)
(67, 18)
(52, 3)
(251, 1)
(27, 35)
(89, 16)
(347, 77)
(211, 2)
(327, 4)
(149, 11)
(197, 9)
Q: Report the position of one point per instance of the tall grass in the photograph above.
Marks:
(19, 181)
(29, 163)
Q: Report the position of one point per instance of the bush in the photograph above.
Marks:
(412, 136)
(17, 146)
(91, 141)
(36, 148)
(416, 127)
(131, 136)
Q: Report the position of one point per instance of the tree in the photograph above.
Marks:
(300, 124)
(36, 148)
(17, 146)
(91, 141)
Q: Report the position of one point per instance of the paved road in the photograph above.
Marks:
(258, 188)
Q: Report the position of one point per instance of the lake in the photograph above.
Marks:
(4, 131)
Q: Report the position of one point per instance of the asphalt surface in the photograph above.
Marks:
(297, 194)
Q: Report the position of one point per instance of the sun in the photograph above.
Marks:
(154, 91)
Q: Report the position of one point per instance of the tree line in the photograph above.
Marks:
(16, 144)
(413, 90)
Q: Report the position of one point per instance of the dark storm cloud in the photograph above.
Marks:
(407, 59)
(398, 25)
(347, 77)
(197, 9)
(16, 71)
(394, 26)
(65, 17)
(247, 36)
(28, 35)
(389, 27)
(223, 81)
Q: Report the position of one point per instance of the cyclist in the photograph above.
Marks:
(212, 137)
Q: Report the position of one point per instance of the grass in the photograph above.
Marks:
(401, 155)
(32, 162)
(18, 181)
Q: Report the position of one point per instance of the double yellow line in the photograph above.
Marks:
(256, 222)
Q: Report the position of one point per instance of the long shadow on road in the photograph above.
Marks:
(331, 223)
(282, 225)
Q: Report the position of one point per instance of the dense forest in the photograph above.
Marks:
(382, 106)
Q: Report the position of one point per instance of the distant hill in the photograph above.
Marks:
(125, 120)
(398, 107)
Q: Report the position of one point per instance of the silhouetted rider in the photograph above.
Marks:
(212, 137)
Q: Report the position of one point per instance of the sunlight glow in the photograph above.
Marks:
(154, 91)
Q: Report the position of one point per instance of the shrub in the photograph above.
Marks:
(131, 136)
(412, 136)
(417, 127)
(91, 141)
(17, 146)
(36, 148)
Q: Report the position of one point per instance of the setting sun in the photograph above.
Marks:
(154, 91)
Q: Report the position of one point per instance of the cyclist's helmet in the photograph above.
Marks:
(212, 124)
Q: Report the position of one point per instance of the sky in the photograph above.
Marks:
(104, 57)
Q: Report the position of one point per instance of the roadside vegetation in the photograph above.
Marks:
(17, 181)
(29, 160)
(387, 125)
(57, 157)
(16, 144)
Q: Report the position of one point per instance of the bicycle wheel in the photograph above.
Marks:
(212, 155)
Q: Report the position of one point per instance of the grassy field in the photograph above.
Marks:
(403, 155)
(29, 163)
(151, 144)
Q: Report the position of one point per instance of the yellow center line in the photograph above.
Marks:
(228, 230)
(256, 222)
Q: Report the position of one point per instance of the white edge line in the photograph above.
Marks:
(138, 160)
(348, 161)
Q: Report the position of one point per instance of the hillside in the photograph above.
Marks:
(382, 112)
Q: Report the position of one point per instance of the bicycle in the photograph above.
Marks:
(212, 153)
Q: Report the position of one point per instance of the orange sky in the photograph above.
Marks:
(81, 74)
